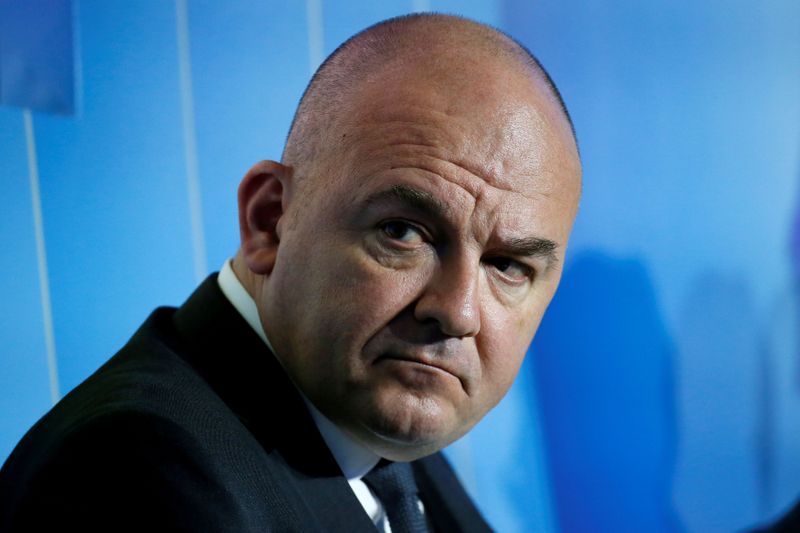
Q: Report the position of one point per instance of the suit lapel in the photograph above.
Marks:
(237, 364)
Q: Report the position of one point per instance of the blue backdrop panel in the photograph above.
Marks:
(486, 11)
(114, 186)
(37, 67)
(24, 387)
(250, 63)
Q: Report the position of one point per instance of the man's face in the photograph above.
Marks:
(421, 257)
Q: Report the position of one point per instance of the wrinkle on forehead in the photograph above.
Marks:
(506, 144)
(428, 156)
(474, 181)
(408, 138)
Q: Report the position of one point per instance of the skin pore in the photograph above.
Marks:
(401, 272)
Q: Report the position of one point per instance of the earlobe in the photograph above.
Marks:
(263, 197)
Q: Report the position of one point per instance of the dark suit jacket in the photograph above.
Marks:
(194, 426)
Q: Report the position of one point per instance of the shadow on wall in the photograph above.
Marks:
(779, 428)
(717, 476)
(605, 378)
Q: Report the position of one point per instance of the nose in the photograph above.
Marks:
(451, 300)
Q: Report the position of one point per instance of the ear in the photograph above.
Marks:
(263, 198)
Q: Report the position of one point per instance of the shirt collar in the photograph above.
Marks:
(353, 459)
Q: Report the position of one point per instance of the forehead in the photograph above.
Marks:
(500, 121)
(475, 131)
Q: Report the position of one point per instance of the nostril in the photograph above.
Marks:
(451, 318)
(413, 329)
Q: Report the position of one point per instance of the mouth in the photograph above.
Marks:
(423, 363)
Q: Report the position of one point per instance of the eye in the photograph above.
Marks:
(513, 271)
(401, 231)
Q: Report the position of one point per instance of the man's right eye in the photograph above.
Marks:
(401, 231)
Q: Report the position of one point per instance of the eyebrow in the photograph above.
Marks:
(420, 200)
(533, 247)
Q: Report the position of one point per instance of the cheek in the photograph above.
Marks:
(504, 340)
(368, 295)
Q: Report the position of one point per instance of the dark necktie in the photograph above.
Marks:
(395, 487)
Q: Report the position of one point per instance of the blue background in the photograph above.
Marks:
(662, 391)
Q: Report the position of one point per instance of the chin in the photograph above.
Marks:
(400, 448)
(408, 430)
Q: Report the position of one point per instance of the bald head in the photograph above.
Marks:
(405, 42)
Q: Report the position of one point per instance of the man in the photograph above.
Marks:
(393, 269)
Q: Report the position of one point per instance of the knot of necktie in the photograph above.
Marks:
(395, 487)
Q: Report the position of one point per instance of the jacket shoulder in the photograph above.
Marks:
(147, 438)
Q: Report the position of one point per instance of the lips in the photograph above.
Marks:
(447, 364)
(428, 361)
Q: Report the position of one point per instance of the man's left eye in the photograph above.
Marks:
(510, 269)
(404, 232)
